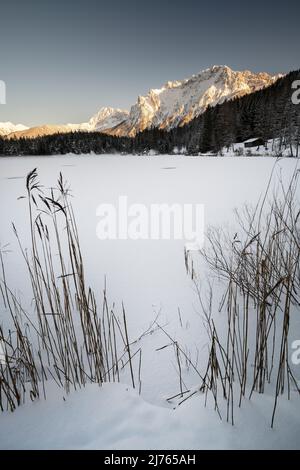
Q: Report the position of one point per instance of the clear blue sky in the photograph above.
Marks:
(62, 60)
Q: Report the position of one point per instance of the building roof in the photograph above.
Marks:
(252, 140)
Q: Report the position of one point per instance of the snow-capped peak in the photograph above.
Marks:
(176, 103)
(107, 118)
(8, 127)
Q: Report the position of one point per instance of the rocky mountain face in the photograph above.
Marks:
(7, 128)
(107, 118)
(175, 104)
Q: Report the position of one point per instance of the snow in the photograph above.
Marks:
(175, 103)
(250, 140)
(150, 277)
(180, 101)
(272, 148)
(115, 417)
(8, 127)
(107, 118)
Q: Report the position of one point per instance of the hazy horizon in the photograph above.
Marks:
(62, 62)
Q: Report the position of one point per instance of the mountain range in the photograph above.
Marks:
(174, 104)
(7, 128)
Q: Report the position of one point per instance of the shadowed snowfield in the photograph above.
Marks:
(150, 278)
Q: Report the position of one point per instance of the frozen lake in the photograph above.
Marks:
(149, 276)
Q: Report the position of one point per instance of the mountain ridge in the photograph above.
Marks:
(174, 104)
(8, 127)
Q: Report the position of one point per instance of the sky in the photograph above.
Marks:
(63, 60)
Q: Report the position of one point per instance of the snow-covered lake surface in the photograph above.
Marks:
(150, 278)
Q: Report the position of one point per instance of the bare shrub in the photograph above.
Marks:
(66, 337)
(260, 268)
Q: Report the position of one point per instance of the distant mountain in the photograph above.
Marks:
(173, 105)
(267, 114)
(8, 127)
(106, 118)
(46, 129)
